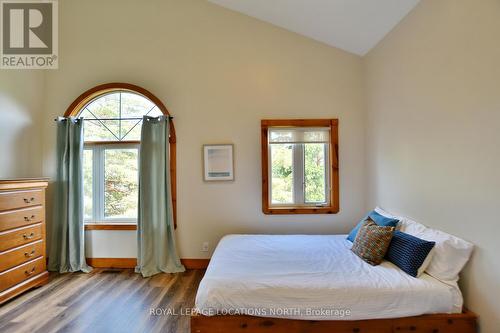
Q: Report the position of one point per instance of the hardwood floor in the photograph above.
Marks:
(104, 301)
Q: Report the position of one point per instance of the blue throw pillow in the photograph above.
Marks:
(408, 252)
(375, 217)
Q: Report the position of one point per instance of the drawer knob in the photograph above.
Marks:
(30, 254)
(26, 200)
(30, 236)
(30, 272)
(29, 218)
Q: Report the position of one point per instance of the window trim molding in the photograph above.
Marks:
(333, 206)
(81, 101)
(110, 226)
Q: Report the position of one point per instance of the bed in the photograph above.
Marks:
(312, 279)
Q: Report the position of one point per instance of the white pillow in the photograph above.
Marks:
(426, 262)
(391, 216)
(450, 254)
(386, 214)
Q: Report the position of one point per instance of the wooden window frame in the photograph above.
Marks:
(333, 206)
(81, 101)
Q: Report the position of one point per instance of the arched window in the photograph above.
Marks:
(116, 116)
(112, 131)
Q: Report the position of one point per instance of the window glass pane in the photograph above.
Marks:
(119, 106)
(282, 173)
(120, 183)
(94, 130)
(155, 112)
(314, 173)
(87, 184)
(131, 130)
(316, 135)
(86, 114)
(281, 136)
(299, 135)
(106, 106)
(134, 105)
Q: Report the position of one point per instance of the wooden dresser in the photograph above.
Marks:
(22, 236)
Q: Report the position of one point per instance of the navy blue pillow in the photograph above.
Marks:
(377, 218)
(408, 252)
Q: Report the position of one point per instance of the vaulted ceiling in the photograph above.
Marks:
(352, 25)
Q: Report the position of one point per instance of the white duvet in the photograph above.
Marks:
(316, 278)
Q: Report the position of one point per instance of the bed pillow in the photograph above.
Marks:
(409, 253)
(372, 241)
(377, 218)
(450, 254)
(386, 213)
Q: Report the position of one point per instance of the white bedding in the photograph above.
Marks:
(314, 277)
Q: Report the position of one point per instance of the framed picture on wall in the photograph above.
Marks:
(218, 162)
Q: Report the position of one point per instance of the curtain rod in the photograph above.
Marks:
(110, 119)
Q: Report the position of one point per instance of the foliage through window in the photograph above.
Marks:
(112, 132)
(111, 182)
(300, 166)
(113, 116)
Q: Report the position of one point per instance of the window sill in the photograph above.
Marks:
(299, 210)
(110, 226)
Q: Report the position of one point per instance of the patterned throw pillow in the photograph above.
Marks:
(372, 241)
(409, 253)
(377, 218)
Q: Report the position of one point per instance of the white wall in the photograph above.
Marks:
(219, 73)
(433, 138)
(110, 244)
(21, 109)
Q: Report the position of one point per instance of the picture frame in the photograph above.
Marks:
(218, 162)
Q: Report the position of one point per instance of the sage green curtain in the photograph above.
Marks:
(155, 233)
(67, 251)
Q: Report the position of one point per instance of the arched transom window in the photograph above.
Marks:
(117, 116)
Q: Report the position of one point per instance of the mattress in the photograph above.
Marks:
(314, 278)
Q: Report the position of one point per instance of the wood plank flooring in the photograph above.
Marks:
(104, 301)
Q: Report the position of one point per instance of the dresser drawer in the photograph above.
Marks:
(20, 273)
(20, 217)
(20, 199)
(17, 237)
(20, 255)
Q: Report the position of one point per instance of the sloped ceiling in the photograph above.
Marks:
(355, 26)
